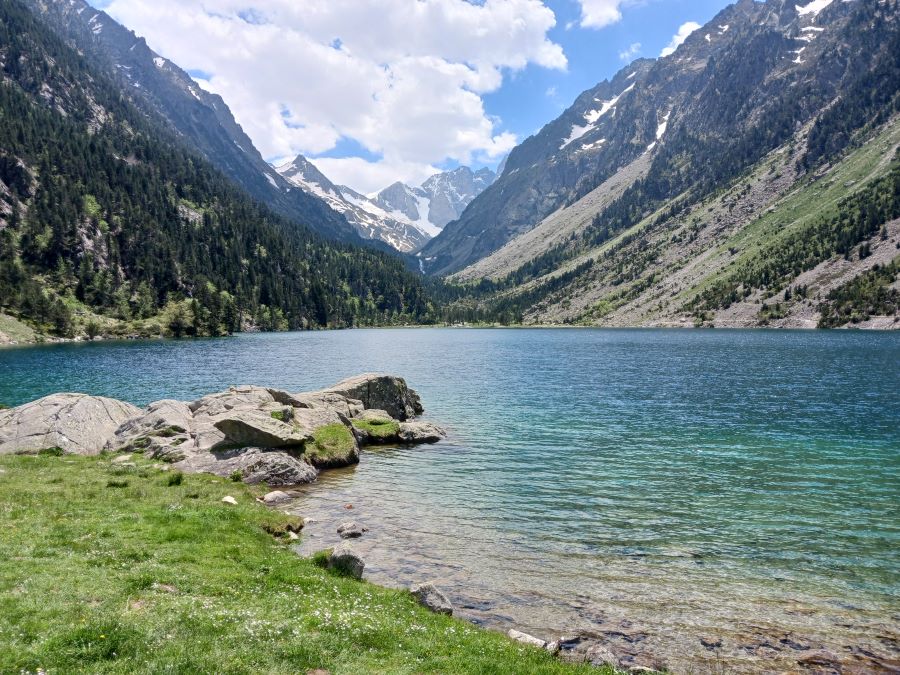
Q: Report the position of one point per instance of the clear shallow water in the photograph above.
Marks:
(651, 486)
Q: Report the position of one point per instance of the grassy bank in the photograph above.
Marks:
(123, 569)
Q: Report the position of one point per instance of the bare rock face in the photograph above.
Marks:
(384, 392)
(75, 423)
(250, 426)
(430, 596)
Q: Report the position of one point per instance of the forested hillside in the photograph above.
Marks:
(109, 223)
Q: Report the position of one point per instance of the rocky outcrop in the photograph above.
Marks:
(72, 423)
(256, 434)
(430, 596)
(384, 392)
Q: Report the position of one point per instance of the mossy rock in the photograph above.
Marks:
(333, 445)
(378, 430)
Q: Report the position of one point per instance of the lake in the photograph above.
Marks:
(666, 490)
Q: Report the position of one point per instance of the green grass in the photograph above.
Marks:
(162, 576)
(331, 443)
(378, 430)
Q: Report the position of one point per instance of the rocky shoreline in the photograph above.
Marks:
(255, 434)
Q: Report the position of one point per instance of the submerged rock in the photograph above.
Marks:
(430, 596)
(350, 530)
(346, 560)
(275, 498)
(72, 423)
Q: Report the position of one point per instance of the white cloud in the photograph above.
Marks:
(404, 79)
(600, 13)
(630, 52)
(684, 30)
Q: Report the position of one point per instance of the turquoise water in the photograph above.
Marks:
(739, 484)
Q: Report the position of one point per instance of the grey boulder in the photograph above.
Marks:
(381, 391)
(275, 497)
(420, 432)
(75, 423)
(430, 596)
(255, 465)
(345, 560)
(257, 427)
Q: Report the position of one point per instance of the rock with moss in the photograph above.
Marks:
(75, 423)
(376, 427)
(333, 445)
(384, 392)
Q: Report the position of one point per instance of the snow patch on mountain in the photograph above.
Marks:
(592, 117)
(813, 8)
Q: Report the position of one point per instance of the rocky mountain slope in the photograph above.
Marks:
(400, 215)
(202, 119)
(681, 191)
(735, 90)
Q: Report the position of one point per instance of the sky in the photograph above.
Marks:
(375, 91)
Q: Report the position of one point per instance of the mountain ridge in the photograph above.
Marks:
(403, 216)
(750, 50)
(202, 118)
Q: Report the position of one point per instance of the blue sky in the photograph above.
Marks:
(380, 90)
(523, 102)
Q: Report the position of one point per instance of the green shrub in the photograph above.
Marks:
(176, 478)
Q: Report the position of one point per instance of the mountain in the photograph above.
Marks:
(441, 198)
(370, 221)
(404, 217)
(112, 222)
(202, 120)
(736, 89)
(705, 187)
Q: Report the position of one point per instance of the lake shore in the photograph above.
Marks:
(590, 478)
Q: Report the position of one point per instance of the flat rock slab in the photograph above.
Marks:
(254, 465)
(75, 423)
